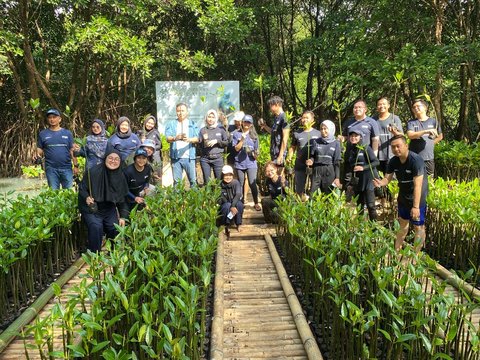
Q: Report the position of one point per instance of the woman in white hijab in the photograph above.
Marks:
(325, 156)
(213, 140)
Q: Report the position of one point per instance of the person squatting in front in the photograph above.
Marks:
(361, 164)
(231, 205)
(101, 197)
(276, 185)
(325, 157)
(213, 140)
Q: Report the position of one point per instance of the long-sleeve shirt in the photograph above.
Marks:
(231, 192)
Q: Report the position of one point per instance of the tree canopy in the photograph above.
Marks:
(100, 58)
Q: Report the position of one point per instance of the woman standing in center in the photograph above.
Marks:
(213, 140)
(245, 142)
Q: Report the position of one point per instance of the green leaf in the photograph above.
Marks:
(406, 337)
(426, 343)
(57, 290)
(99, 346)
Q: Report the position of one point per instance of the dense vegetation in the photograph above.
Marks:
(357, 287)
(101, 58)
(149, 293)
(39, 238)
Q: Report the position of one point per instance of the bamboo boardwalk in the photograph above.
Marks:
(257, 314)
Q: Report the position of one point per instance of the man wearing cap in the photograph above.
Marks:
(409, 169)
(138, 178)
(279, 132)
(56, 144)
(182, 134)
(153, 161)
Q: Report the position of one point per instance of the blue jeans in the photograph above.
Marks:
(225, 209)
(57, 177)
(178, 165)
(209, 164)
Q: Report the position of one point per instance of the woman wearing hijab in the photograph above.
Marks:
(101, 196)
(361, 164)
(231, 206)
(94, 149)
(213, 140)
(245, 142)
(325, 156)
(124, 140)
(150, 132)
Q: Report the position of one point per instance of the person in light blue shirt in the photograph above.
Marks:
(182, 134)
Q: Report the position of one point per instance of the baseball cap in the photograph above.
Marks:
(148, 143)
(53, 111)
(227, 169)
(248, 118)
(141, 152)
(238, 116)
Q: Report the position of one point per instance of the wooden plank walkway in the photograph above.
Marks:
(258, 321)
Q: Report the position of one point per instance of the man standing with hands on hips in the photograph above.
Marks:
(409, 168)
(182, 134)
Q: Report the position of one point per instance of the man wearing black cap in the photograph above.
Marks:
(56, 144)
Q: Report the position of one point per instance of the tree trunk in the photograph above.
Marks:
(462, 127)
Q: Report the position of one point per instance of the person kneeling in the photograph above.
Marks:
(276, 187)
(231, 205)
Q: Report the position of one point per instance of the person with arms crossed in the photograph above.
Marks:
(424, 132)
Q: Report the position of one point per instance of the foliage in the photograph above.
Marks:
(453, 223)
(39, 237)
(387, 304)
(457, 160)
(149, 290)
(32, 171)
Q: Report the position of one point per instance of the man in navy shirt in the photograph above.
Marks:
(363, 124)
(409, 169)
(279, 132)
(56, 143)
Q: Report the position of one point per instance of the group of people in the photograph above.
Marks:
(123, 169)
(119, 171)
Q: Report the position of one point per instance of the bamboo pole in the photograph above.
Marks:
(33, 310)
(308, 340)
(216, 342)
(458, 283)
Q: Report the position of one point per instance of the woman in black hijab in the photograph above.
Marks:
(101, 193)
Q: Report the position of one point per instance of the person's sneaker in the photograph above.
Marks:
(239, 228)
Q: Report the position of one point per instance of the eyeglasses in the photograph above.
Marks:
(114, 159)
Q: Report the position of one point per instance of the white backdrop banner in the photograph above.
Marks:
(200, 96)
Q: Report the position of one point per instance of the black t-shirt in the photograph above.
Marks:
(137, 180)
(275, 189)
(301, 139)
(405, 173)
(276, 136)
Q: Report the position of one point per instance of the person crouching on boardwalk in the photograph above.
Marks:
(276, 185)
(231, 205)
